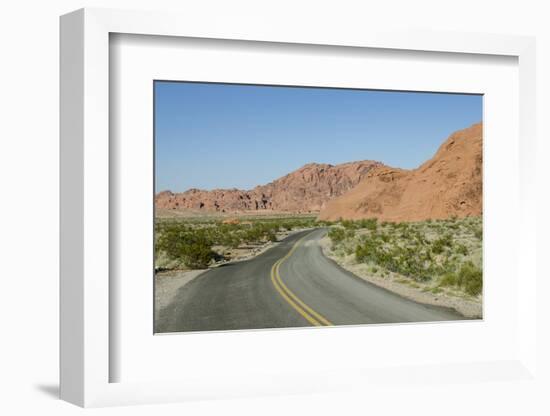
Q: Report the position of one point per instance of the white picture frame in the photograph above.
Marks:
(86, 356)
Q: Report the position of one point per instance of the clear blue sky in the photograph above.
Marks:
(223, 136)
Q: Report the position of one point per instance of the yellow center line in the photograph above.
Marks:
(304, 310)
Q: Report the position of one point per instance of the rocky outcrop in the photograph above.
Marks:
(304, 190)
(449, 184)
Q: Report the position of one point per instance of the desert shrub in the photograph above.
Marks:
(337, 235)
(348, 224)
(360, 254)
(271, 236)
(404, 260)
(438, 246)
(420, 239)
(191, 242)
(369, 251)
(370, 224)
(478, 233)
(191, 246)
(252, 234)
(232, 240)
(171, 239)
(448, 279)
(470, 278)
(198, 255)
(420, 251)
(324, 223)
(462, 249)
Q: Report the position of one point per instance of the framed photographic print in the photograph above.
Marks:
(270, 211)
(252, 232)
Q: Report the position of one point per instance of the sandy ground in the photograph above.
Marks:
(167, 285)
(162, 213)
(469, 309)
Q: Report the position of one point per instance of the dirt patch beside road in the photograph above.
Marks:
(167, 285)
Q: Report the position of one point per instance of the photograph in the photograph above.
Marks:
(298, 206)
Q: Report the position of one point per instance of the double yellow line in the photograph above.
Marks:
(307, 312)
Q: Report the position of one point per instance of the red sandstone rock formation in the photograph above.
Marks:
(449, 184)
(304, 190)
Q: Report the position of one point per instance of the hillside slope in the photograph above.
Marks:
(448, 184)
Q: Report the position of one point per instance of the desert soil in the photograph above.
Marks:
(167, 285)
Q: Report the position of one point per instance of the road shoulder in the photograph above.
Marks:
(168, 284)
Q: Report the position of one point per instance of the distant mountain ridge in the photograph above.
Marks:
(307, 189)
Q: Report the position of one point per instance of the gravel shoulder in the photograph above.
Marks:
(469, 309)
(167, 285)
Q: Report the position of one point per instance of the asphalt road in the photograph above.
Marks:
(290, 285)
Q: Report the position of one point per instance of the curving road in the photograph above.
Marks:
(290, 285)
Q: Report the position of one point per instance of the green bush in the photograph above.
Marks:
(370, 224)
(448, 279)
(470, 278)
(191, 241)
(191, 246)
(348, 224)
(337, 235)
(438, 246)
(350, 233)
(412, 250)
(271, 237)
(198, 255)
(478, 233)
(462, 249)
